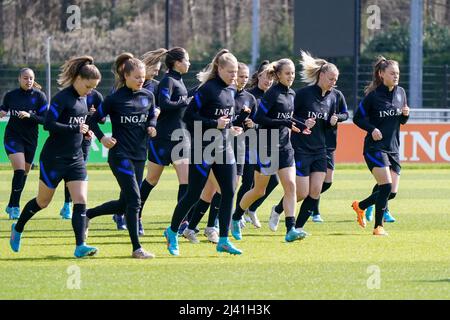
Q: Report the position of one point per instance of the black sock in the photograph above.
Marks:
(31, 208)
(25, 177)
(188, 217)
(273, 183)
(315, 204)
(146, 188)
(200, 209)
(326, 186)
(380, 206)
(214, 210)
(279, 208)
(369, 201)
(182, 188)
(23, 186)
(108, 208)
(391, 196)
(375, 188)
(67, 197)
(305, 211)
(238, 213)
(16, 188)
(79, 222)
(316, 212)
(290, 222)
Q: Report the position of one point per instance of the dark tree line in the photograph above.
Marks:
(109, 27)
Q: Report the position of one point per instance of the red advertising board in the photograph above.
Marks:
(419, 143)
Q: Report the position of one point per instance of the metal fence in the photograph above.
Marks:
(429, 115)
(424, 115)
(436, 82)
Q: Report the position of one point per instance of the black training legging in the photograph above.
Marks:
(129, 174)
(247, 185)
(198, 175)
(246, 182)
(17, 185)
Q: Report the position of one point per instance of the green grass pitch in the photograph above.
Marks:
(339, 261)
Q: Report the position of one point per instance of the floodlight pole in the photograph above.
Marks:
(255, 35)
(167, 39)
(49, 69)
(357, 42)
(416, 55)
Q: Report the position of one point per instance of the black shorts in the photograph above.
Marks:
(15, 145)
(284, 159)
(305, 163)
(330, 159)
(380, 159)
(53, 170)
(160, 151)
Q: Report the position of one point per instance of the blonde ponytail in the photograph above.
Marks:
(275, 67)
(313, 67)
(151, 58)
(222, 58)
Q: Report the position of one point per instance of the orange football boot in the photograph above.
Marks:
(359, 214)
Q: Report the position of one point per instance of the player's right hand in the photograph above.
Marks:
(376, 135)
(247, 110)
(151, 131)
(235, 131)
(223, 122)
(108, 142)
(84, 128)
(249, 123)
(294, 128)
(307, 131)
(311, 122)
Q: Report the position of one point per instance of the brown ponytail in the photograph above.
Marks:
(253, 82)
(174, 55)
(380, 65)
(124, 64)
(35, 84)
(151, 58)
(80, 66)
